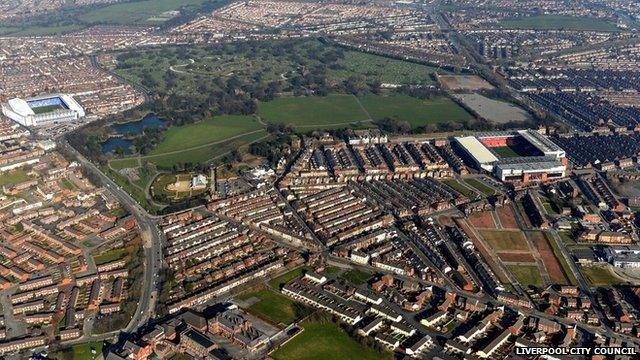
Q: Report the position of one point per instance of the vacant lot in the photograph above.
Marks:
(548, 22)
(527, 275)
(485, 189)
(313, 112)
(482, 220)
(457, 186)
(516, 257)
(464, 82)
(109, 256)
(356, 277)
(600, 276)
(507, 217)
(13, 177)
(549, 259)
(493, 110)
(325, 340)
(415, 111)
(502, 240)
(486, 254)
(277, 282)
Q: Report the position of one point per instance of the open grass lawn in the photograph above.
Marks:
(203, 154)
(383, 69)
(272, 305)
(485, 189)
(325, 340)
(13, 177)
(80, 352)
(502, 240)
(211, 130)
(137, 12)
(111, 255)
(356, 277)
(457, 186)
(415, 111)
(39, 30)
(545, 22)
(124, 163)
(527, 275)
(311, 112)
(68, 184)
(600, 276)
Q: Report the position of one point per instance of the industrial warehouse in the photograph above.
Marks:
(522, 156)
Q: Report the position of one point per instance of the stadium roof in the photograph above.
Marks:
(20, 107)
(480, 152)
(542, 143)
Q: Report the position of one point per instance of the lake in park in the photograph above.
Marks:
(128, 129)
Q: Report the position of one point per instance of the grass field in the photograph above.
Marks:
(68, 184)
(600, 276)
(272, 305)
(457, 186)
(527, 275)
(39, 30)
(111, 255)
(546, 22)
(287, 277)
(385, 70)
(204, 153)
(136, 12)
(313, 111)
(479, 185)
(325, 340)
(211, 130)
(415, 111)
(356, 277)
(80, 352)
(124, 163)
(505, 240)
(13, 177)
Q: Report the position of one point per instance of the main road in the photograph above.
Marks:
(151, 236)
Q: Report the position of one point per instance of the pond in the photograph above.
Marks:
(117, 143)
(129, 128)
(136, 127)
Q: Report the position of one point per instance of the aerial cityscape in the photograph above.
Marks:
(319, 179)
